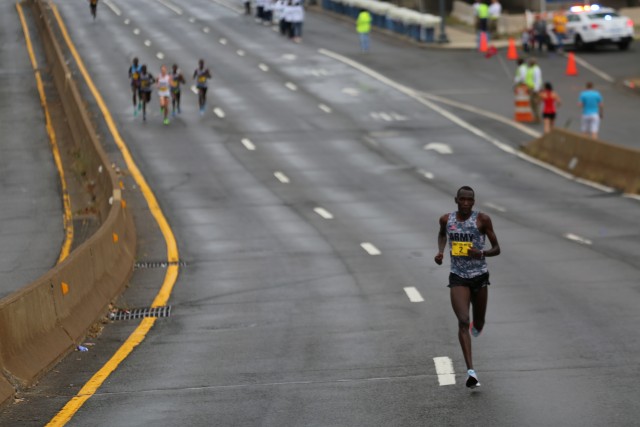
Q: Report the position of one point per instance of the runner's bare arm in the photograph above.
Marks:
(442, 239)
(486, 227)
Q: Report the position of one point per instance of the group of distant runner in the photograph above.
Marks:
(168, 86)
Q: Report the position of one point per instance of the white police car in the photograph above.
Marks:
(591, 25)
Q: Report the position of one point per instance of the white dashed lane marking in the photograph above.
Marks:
(205, 30)
(578, 239)
(127, 21)
(444, 369)
(240, 52)
(370, 248)
(136, 31)
(350, 91)
(264, 67)
(413, 294)
(248, 144)
(325, 108)
(223, 41)
(219, 112)
(291, 86)
(160, 55)
(323, 212)
(281, 177)
(439, 148)
(426, 174)
(147, 43)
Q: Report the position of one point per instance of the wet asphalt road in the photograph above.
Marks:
(281, 318)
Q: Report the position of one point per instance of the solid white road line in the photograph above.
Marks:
(281, 177)
(113, 7)
(248, 144)
(324, 108)
(170, 6)
(323, 212)
(631, 196)
(194, 89)
(444, 369)
(218, 112)
(264, 67)
(495, 207)
(291, 86)
(223, 41)
(413, 294)
(578, 239)
(439, 147)
(147, 43)
(370, 248)
(240, 52)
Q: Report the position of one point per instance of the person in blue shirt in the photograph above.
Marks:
(592, 110)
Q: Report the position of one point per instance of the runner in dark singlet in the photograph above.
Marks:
(202, 74)
(94, 8)
(146, 86)
(178, 79)
(134, 78)
(466, 231)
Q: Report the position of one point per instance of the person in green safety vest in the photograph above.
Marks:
(482, 15)
(363, 27)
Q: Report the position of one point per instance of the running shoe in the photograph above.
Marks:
(139, 106)
(474, 331)
(166, 121)
(472, 380)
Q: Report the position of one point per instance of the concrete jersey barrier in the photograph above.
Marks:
(42, 322)
(598, 161)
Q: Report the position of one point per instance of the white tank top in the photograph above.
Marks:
(163, 85)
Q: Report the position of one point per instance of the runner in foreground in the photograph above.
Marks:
(164, 92)
(177, 80)
(466, 230)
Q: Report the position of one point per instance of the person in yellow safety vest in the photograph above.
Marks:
(533, 80)
(482, 13)
(363, 27)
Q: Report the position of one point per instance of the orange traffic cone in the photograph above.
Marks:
(572, 70)
(512, 53)
(483, 42)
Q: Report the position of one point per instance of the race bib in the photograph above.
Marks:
(202, 79)
(135, 76)
(460, 248)
(174, 83)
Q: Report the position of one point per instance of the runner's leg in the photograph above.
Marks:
(479, 300)
(460, 301)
